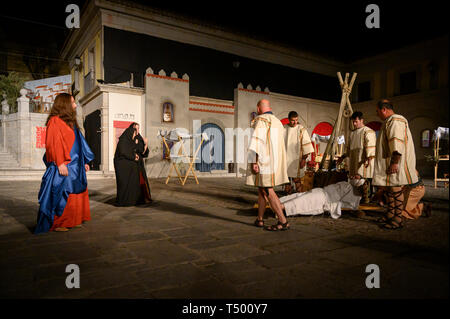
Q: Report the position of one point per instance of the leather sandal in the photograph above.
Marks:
(386, 218)
(393, 223)
(259, 223)
(276, 227)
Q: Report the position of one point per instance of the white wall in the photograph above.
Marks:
(311, 112)
(122, 107)
(12, 136)
(21, 138)
(37, 120)
(158, 90)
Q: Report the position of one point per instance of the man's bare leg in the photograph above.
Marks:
(276, 206)
(261, 207)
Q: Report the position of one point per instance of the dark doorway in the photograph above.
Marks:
(92, 129)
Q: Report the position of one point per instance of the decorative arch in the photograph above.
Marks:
(321, 129)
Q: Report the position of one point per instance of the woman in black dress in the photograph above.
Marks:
(131, 178)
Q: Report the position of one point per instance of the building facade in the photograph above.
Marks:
(131, 63)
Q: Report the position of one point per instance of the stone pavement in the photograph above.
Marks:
(199, 242)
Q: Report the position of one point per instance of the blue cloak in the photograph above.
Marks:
(55, 188)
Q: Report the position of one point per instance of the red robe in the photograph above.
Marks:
(59, 140)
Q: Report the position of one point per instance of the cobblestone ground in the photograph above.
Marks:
(199, 242)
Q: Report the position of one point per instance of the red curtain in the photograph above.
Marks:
(323, 129)
(374, 125)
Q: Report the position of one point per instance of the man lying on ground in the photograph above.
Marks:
(331, 198)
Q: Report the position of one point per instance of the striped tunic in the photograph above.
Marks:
(267, 142)
(298, 143)
(395, 136)
(361, 146)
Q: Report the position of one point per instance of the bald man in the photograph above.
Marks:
(267, 163)
(395, 162)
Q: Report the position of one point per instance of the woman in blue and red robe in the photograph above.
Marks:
(63, 197)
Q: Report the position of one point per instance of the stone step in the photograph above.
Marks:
(6, 156)
(36, 174)
(217, 173)
(9, 163)
(8, 160)
(10, 166)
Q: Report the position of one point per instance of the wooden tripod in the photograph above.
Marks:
(345, 110)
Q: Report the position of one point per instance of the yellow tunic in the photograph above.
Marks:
(298, 143)
(267, 142)
(361, 146)
(395, 136)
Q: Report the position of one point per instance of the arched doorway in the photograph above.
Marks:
(212, 153)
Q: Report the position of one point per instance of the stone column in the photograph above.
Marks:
(390, 83)
(5, 112)
(104, 166)
(24, 130)
(376, 86)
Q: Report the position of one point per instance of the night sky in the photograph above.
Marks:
(330, 28)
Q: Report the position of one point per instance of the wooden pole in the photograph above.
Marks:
(436, 156)
(341, 82)
(333, 134)
(352, 81)
(332, 145)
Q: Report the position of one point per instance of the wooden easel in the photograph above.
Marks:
(345, 110)
(180, 156)
(438, 159)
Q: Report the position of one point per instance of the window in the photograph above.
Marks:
(89, 79)
(168, 112)
(364, 91)
(425, 138)
(91, 59)
(408, 83)
(433, 68)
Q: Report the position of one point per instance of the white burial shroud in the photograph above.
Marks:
(331, 198)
